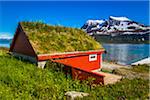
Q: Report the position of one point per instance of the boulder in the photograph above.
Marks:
(72, 95)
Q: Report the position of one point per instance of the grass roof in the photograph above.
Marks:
(47, 39)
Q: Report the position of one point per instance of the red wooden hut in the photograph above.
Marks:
(28, 44)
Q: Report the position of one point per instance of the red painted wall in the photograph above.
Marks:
(81, 62)
(84, 75)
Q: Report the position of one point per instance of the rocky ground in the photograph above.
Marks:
(129, 72)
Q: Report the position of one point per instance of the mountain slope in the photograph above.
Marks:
(114, 26)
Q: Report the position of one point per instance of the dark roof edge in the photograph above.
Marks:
(14, 38)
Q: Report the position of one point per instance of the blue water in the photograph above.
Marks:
(126, 54)
(5, 43)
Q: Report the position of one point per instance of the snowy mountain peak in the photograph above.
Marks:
(114, 25)
(119, 18)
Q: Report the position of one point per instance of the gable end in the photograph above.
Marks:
(21, 44)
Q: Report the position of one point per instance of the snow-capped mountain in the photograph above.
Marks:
(114, 26)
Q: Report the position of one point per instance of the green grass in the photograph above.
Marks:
(22, 80)
(3, 51)
(56, 39)
(106, 71)
(141, 68)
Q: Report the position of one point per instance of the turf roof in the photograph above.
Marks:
(47, 39)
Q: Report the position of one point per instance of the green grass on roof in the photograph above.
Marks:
(47, 39)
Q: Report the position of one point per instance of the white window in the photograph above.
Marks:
(93, 57)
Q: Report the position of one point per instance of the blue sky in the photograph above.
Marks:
(72, 14)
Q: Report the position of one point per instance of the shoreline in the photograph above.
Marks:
(112, 65)
(142, 61)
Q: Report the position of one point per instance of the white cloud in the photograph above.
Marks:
(4, 35)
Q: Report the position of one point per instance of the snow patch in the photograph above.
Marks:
(94, 22)
(120, 18)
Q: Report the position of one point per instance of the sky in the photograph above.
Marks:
(68, 13)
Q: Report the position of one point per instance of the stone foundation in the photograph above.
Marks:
(25, 57)
(41, 64)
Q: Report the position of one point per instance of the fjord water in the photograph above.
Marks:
(126, 54)
(5, 43)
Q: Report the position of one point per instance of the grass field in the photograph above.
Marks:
(22, 80)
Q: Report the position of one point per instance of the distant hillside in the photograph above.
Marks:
(117, 30)
(5, 40)
(125, 38)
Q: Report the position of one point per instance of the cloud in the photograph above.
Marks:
(5, 35)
